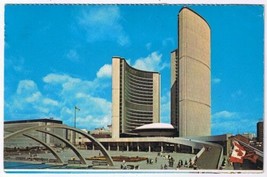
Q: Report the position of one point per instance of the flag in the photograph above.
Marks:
(252, 156)
(77, 108)
(238, 153)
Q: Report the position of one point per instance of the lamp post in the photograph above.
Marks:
(74, 134)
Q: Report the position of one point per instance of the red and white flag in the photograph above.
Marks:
(252, 156)
(238, 153)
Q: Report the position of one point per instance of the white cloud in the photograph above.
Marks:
(26, 86)
(225, 114)
(56, 78)
(152, 62)
(28, 90)
(104, 71)
(103, 23)
(16, 63)
(34, 97)
(29, 102)
(48, 101)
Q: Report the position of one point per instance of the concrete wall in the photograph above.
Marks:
(174, 102)
(156, 98)
(115, 97)
(194, 74)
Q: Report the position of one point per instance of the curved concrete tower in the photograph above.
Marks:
(135, 97)
(190, 76)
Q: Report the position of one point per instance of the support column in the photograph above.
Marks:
(93, 147)
(192, 150)
(109, 146)
(161, 147)
(127, 147)
(149, 147)
(118, 147)
(138, 147)
(175, 147)
(179, 147)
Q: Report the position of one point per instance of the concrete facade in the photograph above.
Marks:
(260, 131)
(190, 76)
(135, 97)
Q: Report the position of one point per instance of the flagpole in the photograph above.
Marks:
(75, 117)
(74, 134)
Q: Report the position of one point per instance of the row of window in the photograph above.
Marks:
(141, 74)
(138, 79)
(143, 100)
(144, 85)
(141, 117)
(141, 103)
(140, 89)
(139, 112)
(140, 92)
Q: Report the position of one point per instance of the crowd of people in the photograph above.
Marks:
(191, 163)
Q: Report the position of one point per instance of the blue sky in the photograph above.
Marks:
(59, 56)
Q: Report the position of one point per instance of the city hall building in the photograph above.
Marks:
(136, 93)
(135, 98)
(190, 76)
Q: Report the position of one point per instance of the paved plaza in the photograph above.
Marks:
(156, 160)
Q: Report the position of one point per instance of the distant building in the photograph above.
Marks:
(260, 131)
(135, 97)
(242, 138)
(22, 141)
(190, 76)
(80, 140)
(250, 136)
(101, 132)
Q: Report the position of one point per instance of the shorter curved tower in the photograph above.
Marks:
(135, 97)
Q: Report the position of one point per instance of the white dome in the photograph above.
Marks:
(155, 126)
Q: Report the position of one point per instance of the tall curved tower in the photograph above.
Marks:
(190, 76)
(135, 97)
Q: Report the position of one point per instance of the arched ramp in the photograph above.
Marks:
(91, 138)
(47, 146)
(75, 150)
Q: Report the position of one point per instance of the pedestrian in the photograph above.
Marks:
(196, 158)
(156, 159)
(165, 166)
(178, 166)
(185, 163)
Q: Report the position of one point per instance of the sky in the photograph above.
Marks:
(59, 56)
